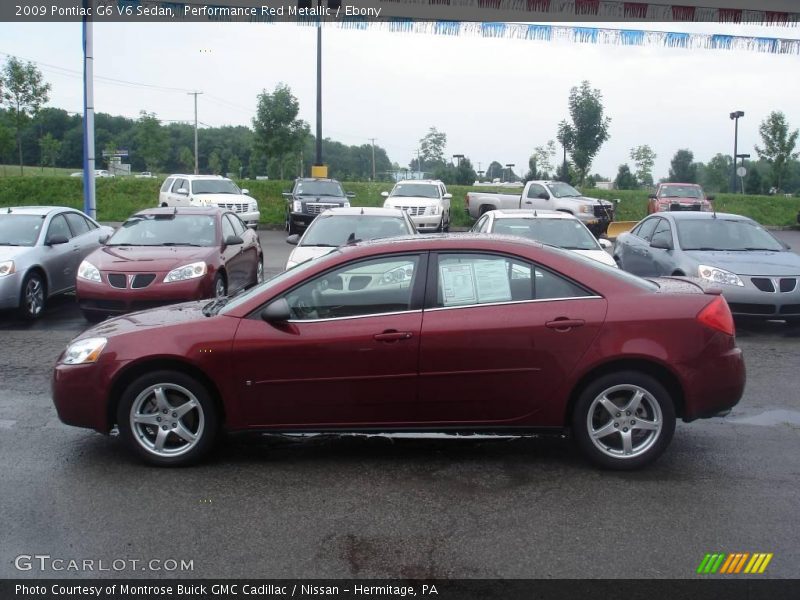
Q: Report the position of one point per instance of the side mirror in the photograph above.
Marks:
(710, 198)
(287, 194)
(183, 192)
(351, 194)
(103, 238)
(277, 311)
(661, 243)
(448, 196)
(652, 197)
(245, 191)
(606, 244)
(616, 201)
(293, 239)
(56, 240)
(544, 196)
(385, 194)
(233, 240)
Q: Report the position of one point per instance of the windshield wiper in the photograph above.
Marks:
(321, 245)
(181, 244)
(756, 249)
(9, 244)
(213, 307)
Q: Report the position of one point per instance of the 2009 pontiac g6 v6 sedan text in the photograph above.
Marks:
(465, 333)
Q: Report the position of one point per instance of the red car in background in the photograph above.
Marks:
(167, 255)
(679, 196)
(486, 334)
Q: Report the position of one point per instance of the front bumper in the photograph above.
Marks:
(427, 223)
(104, 298)
(750, 301)
(10, 288)
(79, 394)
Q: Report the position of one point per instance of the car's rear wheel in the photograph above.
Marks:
(220, 286)
(167, 418)
(624, 420)
(260, 270)
(32, 296)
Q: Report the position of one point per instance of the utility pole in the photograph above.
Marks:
(373, 157)
(89, 198)
(195, 94)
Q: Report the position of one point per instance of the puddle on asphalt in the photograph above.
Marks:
(770, 418)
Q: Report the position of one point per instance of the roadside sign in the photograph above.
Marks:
(741, 171)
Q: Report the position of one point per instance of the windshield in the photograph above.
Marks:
(416, 190)
(264, 287)
(20, 230)
(318, 188)
(565, 233)
(724, 234)
(681, 191)
(166, 230)
(563, 190)
(214, 186)
(335, 230)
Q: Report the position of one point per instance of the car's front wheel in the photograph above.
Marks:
(623, 420)
(32, 297)
(167, 418)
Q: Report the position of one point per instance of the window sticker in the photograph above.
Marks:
(477, 282)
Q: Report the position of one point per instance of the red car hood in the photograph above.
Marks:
(173, 314)
(137, 259)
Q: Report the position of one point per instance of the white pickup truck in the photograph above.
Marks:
(546, 195)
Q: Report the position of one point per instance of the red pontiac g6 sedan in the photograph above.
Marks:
(167, 255)
(457, 334)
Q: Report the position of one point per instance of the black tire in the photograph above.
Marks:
(32, 296)
(94, 316)
(220, 282)
(142, 410)
(656, 410)
(446, 228)
(484, 209)
(259, 269)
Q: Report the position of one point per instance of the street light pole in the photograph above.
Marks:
(196, 163)
(735, 118)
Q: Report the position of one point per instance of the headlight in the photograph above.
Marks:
(253, 207)
(716, 275)
(6, 268)
(663, 207)
(399, 275)
(192, 271)
(433, 210)
(346, 204)
(586, 209)
(84, 351)
(297, 206)
(88, 271)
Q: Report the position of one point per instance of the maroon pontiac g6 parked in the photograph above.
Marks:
(455, 334)
(167, 255)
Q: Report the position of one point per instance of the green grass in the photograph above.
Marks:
(120, 197)
(13, 171)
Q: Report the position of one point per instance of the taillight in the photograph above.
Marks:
(717, 315)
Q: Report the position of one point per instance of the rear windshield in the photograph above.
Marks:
(336, 230)
(724, 234)
(163, 230)
(20, 230)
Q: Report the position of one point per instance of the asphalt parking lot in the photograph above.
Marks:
(366, 507)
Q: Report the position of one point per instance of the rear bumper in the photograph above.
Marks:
(715, 385)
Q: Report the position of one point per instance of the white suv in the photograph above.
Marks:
(425, 200)
(209, 190)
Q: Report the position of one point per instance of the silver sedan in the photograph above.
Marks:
(41, 248)
(758, 275)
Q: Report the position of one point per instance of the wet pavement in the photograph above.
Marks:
(327, 506)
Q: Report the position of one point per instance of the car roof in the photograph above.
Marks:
(367, 211)
(181, 210)
(524, 213)
(433, 181)
(689, 215)
(196, 176)
(317, 179)
(34, 210)
(672, 183)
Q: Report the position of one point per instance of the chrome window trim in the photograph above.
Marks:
(384, 314)
(514, 302)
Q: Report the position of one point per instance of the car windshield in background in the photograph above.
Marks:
(672, 191)
(20, 230)
(565, 233)
(338, 230)
(563, 190)
(724, 234)
(166, 230)
(319, 188)
(214, 186)
(416, 190)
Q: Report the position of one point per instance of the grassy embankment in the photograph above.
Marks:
(120, 197)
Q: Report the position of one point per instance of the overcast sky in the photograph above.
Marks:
(495, 99)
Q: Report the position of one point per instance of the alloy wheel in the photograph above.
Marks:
(167, 420)
(624, 421)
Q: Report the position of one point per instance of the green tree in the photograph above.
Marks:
(465, 173)
(588, 130)
(778, 148)
(6, 144)
(683, 169)
(494, 171)
(432, 148)
(235, 166)
(215, 163)
(625, 179)
(278, 131)
(50, 149)
(544, 156)
(24, 91)
(753, 183)
(644, 158)
(566, 173)
(533, 169)
(186, 159)
(152, 143)
(565, 137)
(716, 175)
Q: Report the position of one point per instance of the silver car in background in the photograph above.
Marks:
(41, 248)
(758, 275)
